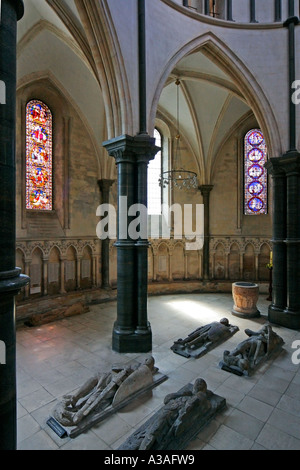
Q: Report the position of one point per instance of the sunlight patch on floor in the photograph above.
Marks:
(194, 310)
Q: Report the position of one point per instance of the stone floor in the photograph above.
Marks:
(263, 411)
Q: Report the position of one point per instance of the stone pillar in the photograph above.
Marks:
(290, 23)
(205, 191)
(62, 276)
(242, 264)
(105, 186)
(285, 307)
(170, 271)
(78, 274)
(278, 10)
(45, 276)
(279, 209)
(94, 264)
(292, 168)
(256, 254)
(155, 262)
(145, 151)
(27, 272)
(252, 12)
(291, 9)
(132, 331)
(11, 280)
(213, 263)
(227, 254)
(285, 170)
(206, 7)
(185, 266)
(200, 264)
(229, 10)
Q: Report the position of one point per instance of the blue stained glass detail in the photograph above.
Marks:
(255, 175)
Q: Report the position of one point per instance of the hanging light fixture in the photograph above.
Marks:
(179, 177)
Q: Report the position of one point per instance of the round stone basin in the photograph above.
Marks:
(245, 297)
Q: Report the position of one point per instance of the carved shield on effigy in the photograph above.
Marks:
(139, 379)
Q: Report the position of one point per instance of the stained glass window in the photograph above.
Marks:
(256, 179)
(154, 172)
(38, 156)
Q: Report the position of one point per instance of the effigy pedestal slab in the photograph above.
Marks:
(102, 396)
(204, 339)
(251, 353)
(179, 421)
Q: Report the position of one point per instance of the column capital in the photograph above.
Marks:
(145, 148)
(206, 189)
(19, 6)
(291, 20)
(274, 167)
(284, 165)
(126, 148)
(105, 184)
(290, 162)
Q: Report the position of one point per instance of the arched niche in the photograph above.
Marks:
(177, 262)
(70, 269)
(219, 263)
(162, 263)
(113, 266)
(192, 264)
(249, 264)
(86, 268)
(54, 272)
(263, 260)
(234, 262)
(36, 273)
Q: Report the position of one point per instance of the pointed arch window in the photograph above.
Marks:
(255, 174)
(39, 176)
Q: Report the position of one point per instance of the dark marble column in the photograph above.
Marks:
(278, 10)
(105, 186)
(11, 281)
(291, 9)
(229, 10)
(279, 209)
(121, 148)
(145, 151)
(252, 12)
(205, 191)
(290, 23)
(206, 7)
(291, 164)
(132, 331)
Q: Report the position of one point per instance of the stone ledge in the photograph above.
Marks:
(59, 304)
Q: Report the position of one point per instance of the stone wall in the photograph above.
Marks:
(58, 266)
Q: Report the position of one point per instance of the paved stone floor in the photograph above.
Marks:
(263, 411)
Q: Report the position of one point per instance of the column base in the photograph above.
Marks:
(284, 317)
(132, 342)
(8, 418)
(254, 314)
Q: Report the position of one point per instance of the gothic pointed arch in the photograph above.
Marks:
(217, 51)
(101, 33)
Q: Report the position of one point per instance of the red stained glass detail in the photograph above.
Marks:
(38, 156)
(256, 181)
